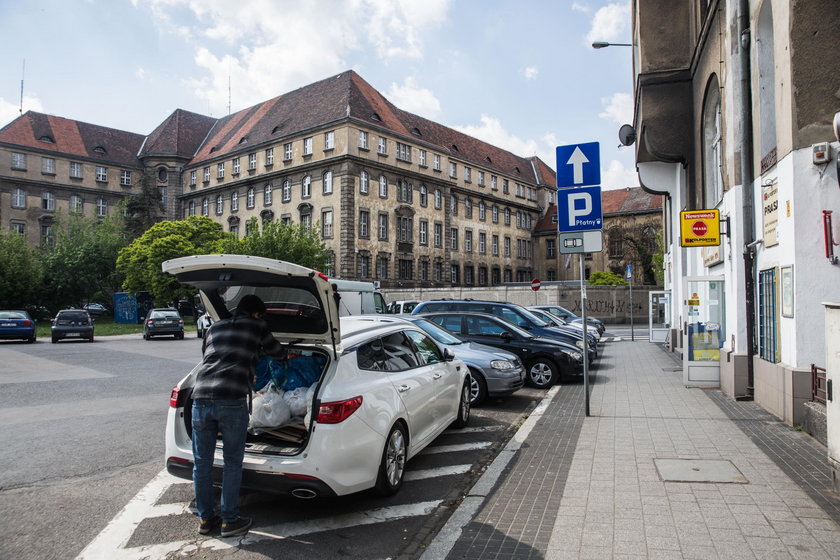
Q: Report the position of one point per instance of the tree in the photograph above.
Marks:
(80, 265)
(140, 262)
(20, 272)
(600, 278)
(296, 243)
(142, 209)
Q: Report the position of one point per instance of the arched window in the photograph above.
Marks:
(712, 148)
(616, 243)
(267, 195)
(249, 198)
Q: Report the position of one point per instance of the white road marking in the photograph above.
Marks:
(456, 447)
(434, 473)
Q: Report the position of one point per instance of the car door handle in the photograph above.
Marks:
(437, 376)
(403, 388)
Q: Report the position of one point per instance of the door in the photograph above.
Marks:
(704, 330)
(659, 321)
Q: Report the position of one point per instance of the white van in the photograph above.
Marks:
(358, 298)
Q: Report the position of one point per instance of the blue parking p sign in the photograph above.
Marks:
(578, 165)
(579, 209)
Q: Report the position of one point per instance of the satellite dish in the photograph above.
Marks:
(837, 126)
(627, 135)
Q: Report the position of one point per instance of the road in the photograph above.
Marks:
(81, 469)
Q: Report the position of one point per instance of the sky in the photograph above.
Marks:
(519, 74)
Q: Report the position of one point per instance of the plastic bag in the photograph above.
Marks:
(269, 409)
(299, 370)
(299, 400)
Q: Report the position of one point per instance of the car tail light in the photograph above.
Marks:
(27, 323)
(339, 411)
(173, 397)
(150, 322)
(179, 460)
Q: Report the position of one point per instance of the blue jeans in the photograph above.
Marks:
(210, 417)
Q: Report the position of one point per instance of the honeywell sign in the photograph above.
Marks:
(700, 228)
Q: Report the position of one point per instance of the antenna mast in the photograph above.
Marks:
(22, 75)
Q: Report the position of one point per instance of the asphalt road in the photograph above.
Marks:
(80, 473)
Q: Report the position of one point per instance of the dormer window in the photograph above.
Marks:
(243, 139)
(100, 150)
(275, 130)
(376, 117)
(416, 131)
(454, 147)
(47, 139)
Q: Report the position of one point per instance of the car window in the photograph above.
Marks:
(449, 322)
(409, 307)
(484, 326)
(399, 354)
(433, 307)
(511, 316)
(369, 356)
(73, 316)
(426, 348)
(11, 315)
(437, 332)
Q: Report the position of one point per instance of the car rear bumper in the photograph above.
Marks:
(72, 333)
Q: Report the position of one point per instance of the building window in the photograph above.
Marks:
(267, 195)
(468, 208)
(206, 174)
(18, 228)
(467, 174)
(234, 201)
(329, 140)
(495, 245)
(75, 204)
(405, 229)
(505, 186)
(712, 147)
(438, 271)
(101, 207)
(507, 247)
(438, 235)
(364, 223)
(424, 271)
(405, 269)
(306, 219)
(48, 201)
(424, 232)
(249, 198)
(307, 146)
(453, 170)
(364, 185)
(101, 174)
(235, 166)
(507, 216)
(205, 207)
(550, 248)
(192, 178)
(191, 208)
(269, 156)
(453, 204)
(220, 204)
(436, 162)
(616, 243)
(383, 186)
(438, 199)
(326, 224)
(421, 158)
(767, 315)
(287, 190)
(454, 274)
(306, 187)
(482, 210)
(494, 212)
(18, 161)
(424, 196)
(383, 226)
(363, 140)
(252, 161)
(125, 178)
(76, 170)
(328, 182)
(287, 151)
(234, 229)
(162, 196)
(468, 275)
(453, 239)
(403, 152)
(382, 267)
(493, 183)
(482, 243)
(364, 266)
(47, 238)
(468, 241)
(48, 166)
(18, 198)
(382, 146)
(404, 191)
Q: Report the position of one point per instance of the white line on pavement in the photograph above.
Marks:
(456, 447)
(436, 472)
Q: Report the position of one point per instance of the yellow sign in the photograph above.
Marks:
(700, 228)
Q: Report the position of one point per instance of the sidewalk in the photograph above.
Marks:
(592, 487)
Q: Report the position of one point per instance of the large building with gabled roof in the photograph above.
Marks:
(398, 198)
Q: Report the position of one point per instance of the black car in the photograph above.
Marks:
(72, 323)
(545, 359)
(512, 313)
(567, 315)
(163, 321)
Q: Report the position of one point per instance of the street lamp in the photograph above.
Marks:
(603, 44)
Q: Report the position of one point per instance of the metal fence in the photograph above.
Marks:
(818, 384)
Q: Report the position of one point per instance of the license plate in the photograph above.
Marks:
(74, 334)
(7, 325)
(165, 323)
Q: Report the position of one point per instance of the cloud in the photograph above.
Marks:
(491, 131)
(415, 99)
(531, 72)
(618, 108)
(615, 176)
(140, 73)
(264, 48)
(10, 111)
(577, 7)
(611, 23)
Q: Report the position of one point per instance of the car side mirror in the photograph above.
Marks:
(506, 336)
(448, 355)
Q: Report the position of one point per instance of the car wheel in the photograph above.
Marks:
(90, 339)
(54, 340)
(542, 373)
(392, 466)
(478, 388)
(31, 340)
(463, 405)
(146, 336)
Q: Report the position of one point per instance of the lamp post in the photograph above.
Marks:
(604, 44)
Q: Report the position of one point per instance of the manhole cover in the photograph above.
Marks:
(699, 470)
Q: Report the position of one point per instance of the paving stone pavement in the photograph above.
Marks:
(588, 487)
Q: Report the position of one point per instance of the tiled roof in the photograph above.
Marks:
(64, 136)
(180, 135)
(621, 201)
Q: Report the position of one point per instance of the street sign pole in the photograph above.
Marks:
(630, 278)
(585, 335)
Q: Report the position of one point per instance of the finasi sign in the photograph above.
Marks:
(700, 228)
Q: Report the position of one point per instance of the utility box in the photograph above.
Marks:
(832, 402)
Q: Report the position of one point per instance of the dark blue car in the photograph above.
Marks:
(17, 325)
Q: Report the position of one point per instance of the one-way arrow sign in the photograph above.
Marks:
(578, 165)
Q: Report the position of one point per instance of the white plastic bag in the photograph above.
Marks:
(299, 400)
(269, 409)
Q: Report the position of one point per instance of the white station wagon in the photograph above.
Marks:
(367, 396)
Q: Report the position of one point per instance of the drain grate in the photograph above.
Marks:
(699, 470)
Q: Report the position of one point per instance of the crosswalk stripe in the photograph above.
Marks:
(456, 447)
(434, 473)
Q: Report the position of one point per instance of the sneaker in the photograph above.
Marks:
(207, 525)
(238, 527)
